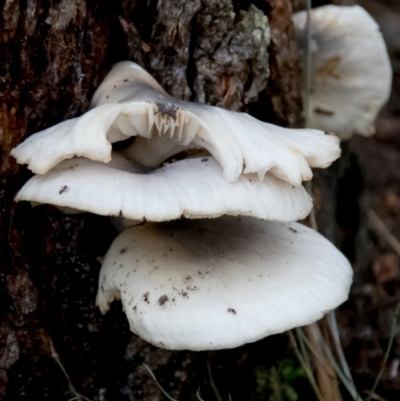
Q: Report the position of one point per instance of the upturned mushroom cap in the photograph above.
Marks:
(220, 283)
(130, 103)
(192, 188)
(350, 69)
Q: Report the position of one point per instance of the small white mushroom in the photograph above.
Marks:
(193, 188)
(131, 103)
(221, 283)
(350, 69)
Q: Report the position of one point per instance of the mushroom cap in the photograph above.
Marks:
(129, 102)
(350, 69)
(192, 188)
(220, 283)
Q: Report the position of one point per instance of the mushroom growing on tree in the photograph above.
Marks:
(208, 282)
(351, 74)
(219, 283)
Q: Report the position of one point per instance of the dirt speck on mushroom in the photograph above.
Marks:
(162, 300)
(63, 189)
(146, 297)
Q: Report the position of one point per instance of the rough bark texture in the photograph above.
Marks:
(283, 79)
(53, 56)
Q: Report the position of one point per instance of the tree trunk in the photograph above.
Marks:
(229, 53)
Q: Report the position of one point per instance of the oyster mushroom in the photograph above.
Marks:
(233, 165)
(130, 103)
(220, 283)
(351, 74)
(191, 188)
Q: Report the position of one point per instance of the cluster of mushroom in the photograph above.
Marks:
(187, 277)
(351, 74)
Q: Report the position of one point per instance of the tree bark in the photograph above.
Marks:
(233, 54)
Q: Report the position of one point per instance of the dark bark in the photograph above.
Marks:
(53, 56)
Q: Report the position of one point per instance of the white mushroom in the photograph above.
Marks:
(198, 284)
(130, 103)
(192, 188)
(350, 69)
(220, 283)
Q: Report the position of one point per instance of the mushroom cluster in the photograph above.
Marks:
(187, 277)
(351, 74)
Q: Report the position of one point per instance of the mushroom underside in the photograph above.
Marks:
(165, 126)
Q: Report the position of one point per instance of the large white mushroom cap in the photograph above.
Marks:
(130, 103)
(350, 69)
(221, 283)
(192, 188)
